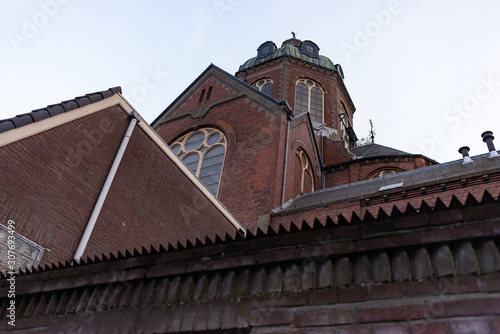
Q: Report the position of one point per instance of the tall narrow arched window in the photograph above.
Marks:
(309, 97)
(306, 172)
(265, 86)
(344, 119)
(203, 151)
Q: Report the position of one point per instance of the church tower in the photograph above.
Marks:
(281, 127)
(308, 81)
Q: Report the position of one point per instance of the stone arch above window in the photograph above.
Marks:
(306, 172)
(383, 172)
(203, 151)
(265, 86)
(309, 97)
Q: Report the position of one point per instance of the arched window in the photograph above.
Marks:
(343, 119)
(309, 97)
(383, 172)
(203, 151)
(306, 172)
(265, 86)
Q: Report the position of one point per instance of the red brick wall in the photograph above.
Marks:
(253, 167)
(412, 199)
(285, 73)
(151, 202)
(272, 72)
(219, 90)
(433, 271)
(362, 170)
(300, 138)
(333, 151)
(52, 181)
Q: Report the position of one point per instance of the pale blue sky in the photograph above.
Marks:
(426, 72)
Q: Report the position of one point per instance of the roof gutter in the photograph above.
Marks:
(104, 191)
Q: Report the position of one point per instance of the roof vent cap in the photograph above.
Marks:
(464, 150)
(488, 139)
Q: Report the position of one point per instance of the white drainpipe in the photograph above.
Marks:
(104, 191)
(286, 158)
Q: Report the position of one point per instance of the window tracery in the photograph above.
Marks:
(306, 172)
(203, 152)
(309, 97)
(265, 86)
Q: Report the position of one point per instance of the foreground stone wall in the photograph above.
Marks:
(353, 278)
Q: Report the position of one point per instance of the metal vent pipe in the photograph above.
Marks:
(464, 150)
(488, 139)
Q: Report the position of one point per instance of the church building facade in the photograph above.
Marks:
(246, 206)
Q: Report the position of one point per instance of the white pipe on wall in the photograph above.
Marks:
(288, 117)
(104, 191)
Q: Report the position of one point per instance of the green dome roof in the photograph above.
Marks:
(292, 48)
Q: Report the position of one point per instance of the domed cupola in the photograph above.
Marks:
(309, 82)
(305, 51)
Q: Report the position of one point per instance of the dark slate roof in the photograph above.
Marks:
(421, 177)
(291, 51)
(376, 150)
(56, 109)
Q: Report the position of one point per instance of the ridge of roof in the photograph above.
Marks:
(56, 109)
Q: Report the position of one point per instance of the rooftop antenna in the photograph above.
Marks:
(372, 132)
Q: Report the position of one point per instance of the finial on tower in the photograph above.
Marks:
(293, 34)
(372, 132)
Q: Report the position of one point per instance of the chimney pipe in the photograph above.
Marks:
(488, 139)
(464, 150)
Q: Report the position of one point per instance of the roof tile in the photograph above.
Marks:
(56, 109)
(6, 125)
(95, 97)
(82, 101)
(21, 120)
(40, 114)
(69, 105)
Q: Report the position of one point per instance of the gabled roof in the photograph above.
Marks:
(56, 109)
(196, 81)
(144, 141)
